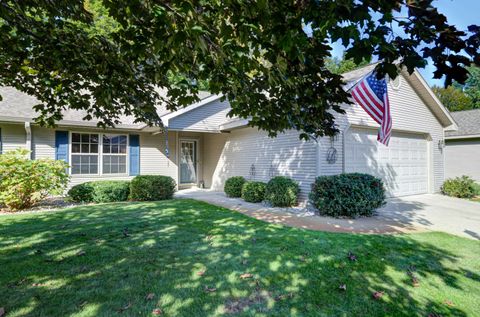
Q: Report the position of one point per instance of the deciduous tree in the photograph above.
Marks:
(256, 53)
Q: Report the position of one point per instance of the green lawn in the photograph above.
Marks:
(192, 258)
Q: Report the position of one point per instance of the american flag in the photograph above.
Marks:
(371, 94)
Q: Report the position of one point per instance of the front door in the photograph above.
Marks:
(188, 162)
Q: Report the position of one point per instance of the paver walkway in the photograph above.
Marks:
(400, 215)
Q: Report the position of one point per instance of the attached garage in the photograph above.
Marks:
(403, 165)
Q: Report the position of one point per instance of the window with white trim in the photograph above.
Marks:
(90, 151)
(114, 154)
(85, 154)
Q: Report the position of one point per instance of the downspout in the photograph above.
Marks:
(28, 143)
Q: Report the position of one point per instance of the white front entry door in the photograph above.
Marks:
(403, 165)
(188, 162)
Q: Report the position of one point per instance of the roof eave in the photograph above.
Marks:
(439, 110)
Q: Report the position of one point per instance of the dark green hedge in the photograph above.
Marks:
(233, 186)
(100, 191)
(253, 192)
(282, 191)
(347, 195)
(152, 187)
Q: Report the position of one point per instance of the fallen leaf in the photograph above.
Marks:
(2, 311)
(81, 253)
(351, 256)
(124, 308)
(378, 294)
(210, 290)
(245, 276)
(449, 303)
(149, 296)
(283, 296)
(343, 287)
(415, 282)
(38, 284)
(201, 273)
(157, 311)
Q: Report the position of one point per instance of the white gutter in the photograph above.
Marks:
(457, 137)
(28, 142)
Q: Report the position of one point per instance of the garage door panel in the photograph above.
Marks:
(402, 165)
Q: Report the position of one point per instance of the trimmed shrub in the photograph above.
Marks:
(253, 192)
(152, 187)
(282, 191)
(100, 191)
(233, 186)
(25, 182)
(81, 193)
(347, 195)
(461, 187)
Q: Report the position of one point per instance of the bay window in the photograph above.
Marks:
(90, 151)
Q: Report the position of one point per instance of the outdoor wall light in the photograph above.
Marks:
(441, 144)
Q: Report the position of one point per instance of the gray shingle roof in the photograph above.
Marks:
(18, 106)
(468, 122)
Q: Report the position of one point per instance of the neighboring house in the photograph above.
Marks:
(206, 147)
(462, 147)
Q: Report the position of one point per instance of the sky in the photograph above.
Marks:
(460, 13)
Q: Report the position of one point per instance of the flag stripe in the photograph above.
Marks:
(363, 104)
(372, 95)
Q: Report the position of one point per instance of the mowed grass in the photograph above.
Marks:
(188, 258)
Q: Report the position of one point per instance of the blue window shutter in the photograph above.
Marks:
(61, 145)
(134, 154)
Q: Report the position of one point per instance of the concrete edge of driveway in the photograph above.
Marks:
(370, 225)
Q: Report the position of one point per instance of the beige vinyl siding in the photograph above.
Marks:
(212, 151)
(284, 155)
(207, 117)
(13, 136)
(409, 114)
(43, 142)
(153, 158)
(462, 157)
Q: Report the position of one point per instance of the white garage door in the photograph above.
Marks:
(403, 165)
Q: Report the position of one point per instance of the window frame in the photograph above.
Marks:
(126, 154)
(100, 154)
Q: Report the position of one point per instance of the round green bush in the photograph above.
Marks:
(233, 186)
(81, 193)
(461, 187)
(282, 191)
(152, 187)
(100, 191)
(253, 192)
(347, 195)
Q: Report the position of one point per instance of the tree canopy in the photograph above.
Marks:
(458, 97)
(257, 54)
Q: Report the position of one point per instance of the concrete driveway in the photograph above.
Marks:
(435, 212)
(400, 215)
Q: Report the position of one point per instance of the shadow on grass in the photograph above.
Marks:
(103, 260)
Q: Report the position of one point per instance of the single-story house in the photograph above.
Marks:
(462, 147)
(204, 147)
